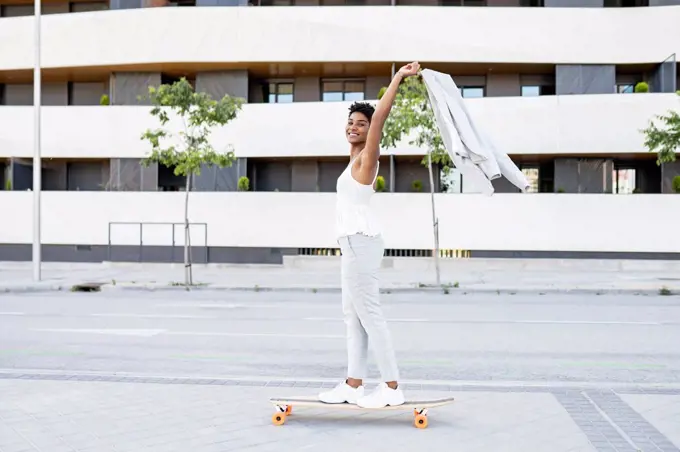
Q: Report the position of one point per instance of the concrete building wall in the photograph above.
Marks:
(268, 224)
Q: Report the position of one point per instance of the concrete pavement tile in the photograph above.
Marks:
(662, 411)
(19, 448)
(201, 418)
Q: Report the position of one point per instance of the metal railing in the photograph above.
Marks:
(173, 246)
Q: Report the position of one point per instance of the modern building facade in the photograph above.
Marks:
(555, 82)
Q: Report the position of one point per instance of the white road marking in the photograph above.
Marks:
(203, 306)
(154, 316)
(219, 333)
(285, 306)
(114, 332)
(12, 313)
(586, 322)
(338, 319)
(520, 322)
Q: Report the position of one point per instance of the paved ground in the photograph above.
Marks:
(178, 371)
(319, 274)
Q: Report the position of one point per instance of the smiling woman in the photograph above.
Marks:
(362, 248)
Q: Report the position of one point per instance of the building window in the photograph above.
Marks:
(167, 79)
(470, 92)
(279, 93)
(624, 181)
(343, 90)
(531, 90)
(625, 3)
(625, 88)
(181, 3)
(537, 90)
(532, 175)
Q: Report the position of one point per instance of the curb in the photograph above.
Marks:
(396, 290)
(98, 287)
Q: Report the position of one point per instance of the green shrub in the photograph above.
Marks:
(243, 184)
(676, 184)
(642, 87)
(380, 184)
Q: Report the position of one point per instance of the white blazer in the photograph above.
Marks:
(471, 150)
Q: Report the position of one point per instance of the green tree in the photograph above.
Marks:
(412, 115)
(664, 141)
(189, 148)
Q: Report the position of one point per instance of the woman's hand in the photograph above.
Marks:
(409, 69)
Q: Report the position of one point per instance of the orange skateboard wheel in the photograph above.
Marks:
(279, 418)
(421, 421)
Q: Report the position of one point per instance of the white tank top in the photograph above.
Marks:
(353, 210)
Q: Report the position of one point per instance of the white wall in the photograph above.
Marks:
(607, 123)
(218, 34)
(500, 222)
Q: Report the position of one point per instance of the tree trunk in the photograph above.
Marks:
(435, 221)
(188, 277)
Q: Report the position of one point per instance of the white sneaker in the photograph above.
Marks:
(342, 393)
(382, 397)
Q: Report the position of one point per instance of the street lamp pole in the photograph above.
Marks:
(37, 166)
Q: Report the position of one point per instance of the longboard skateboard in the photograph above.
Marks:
(284, 407)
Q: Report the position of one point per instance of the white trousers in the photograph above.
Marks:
(361, 258)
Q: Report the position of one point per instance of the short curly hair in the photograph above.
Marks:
(362, 107)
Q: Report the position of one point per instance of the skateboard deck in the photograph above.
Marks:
(284, 407)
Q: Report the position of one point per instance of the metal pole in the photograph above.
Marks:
(37, 167)
(435, 221)
(392, 163)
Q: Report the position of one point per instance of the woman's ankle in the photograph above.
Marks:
(354, 382)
